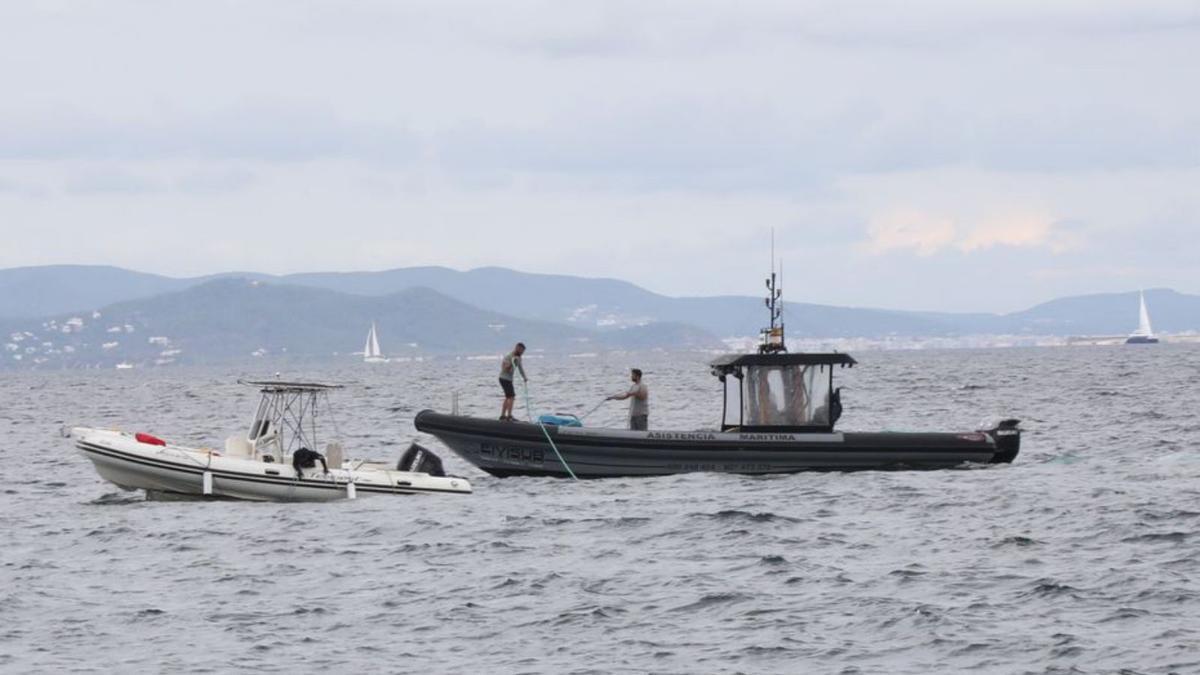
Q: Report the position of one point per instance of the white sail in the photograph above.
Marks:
(371, 351)
(1143, 318)
(375, 351)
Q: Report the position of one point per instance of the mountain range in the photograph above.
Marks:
(84, 310)
(232, 318)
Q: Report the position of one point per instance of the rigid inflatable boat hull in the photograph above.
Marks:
(521, 449)
(131, 465)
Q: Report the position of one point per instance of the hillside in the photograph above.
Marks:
(605, 305)
(231, 319)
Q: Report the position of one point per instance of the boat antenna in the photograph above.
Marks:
(772, 336)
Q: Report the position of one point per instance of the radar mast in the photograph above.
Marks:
(772, 336)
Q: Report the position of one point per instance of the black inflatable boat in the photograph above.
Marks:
(780, 416)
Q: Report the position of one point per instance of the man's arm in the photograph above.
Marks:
(635, 391)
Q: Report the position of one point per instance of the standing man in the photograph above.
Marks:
(510, 362)
(639, 404)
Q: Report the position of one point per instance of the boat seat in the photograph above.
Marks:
(333, 455)
(239, 447)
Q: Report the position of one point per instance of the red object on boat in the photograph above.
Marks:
(148, 439)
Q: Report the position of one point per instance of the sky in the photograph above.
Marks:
(980, 156)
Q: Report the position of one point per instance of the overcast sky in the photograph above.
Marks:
(923, 155)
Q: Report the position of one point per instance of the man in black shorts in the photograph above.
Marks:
(511, 362)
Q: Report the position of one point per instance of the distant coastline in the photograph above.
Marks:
(435, 312)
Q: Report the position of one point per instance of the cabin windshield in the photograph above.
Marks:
(787, 396)
(780, 390)
(779, 396)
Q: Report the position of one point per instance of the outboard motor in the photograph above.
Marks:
(1007, 435)
(419, 459)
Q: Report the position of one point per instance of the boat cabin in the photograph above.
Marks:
(780, 391)
(285, 421)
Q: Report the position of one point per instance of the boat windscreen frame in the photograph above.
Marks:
(723, 378)
(286, 417)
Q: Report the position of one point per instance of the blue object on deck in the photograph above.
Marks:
(560, 420)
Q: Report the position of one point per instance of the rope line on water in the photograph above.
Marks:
(529, 414)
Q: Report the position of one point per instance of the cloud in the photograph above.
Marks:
(923, 233)
(964, 137)
(624, 95)
(112, 180)
(1028, 231)
(277, 131)
(926, 233)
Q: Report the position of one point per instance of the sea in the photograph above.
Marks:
(1083, 556)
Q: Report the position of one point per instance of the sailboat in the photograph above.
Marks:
(371, 352)
(1144, 335)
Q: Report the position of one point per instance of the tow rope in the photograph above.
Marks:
(529, 414)
(598, 405)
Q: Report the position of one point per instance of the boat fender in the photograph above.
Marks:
(148, 439)
(419, 459)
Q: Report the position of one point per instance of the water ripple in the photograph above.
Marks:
(1078, 558)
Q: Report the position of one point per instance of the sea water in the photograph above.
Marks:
(1082, 556)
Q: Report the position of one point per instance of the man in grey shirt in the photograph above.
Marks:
(639, 401)
(510, 362)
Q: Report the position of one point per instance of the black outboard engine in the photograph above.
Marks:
(419, 459)
(1007, 435)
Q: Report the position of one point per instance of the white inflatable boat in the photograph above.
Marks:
(272, 462)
